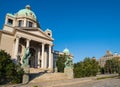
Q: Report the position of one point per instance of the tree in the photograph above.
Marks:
(9, 72)
(102, 70)
(112, 66)
(89, 67)
(79, 70)
(60, 63)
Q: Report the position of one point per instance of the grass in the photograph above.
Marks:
(35, 86)
(105, 77)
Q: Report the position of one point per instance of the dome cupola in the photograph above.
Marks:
(66, 51)
(48, 32)
(27, 12)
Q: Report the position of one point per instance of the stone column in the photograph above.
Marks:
(25, 21)
(27, 43)
(16, 47)
(42, 57)
(50, 58)
(45, 59)
(38, 57)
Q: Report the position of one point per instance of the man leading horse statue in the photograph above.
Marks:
(27, 55)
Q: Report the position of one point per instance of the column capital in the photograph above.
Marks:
(43, 43)
(28, 39)
(17, 36)
(50, 44)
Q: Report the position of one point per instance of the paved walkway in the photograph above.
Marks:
(80, 82)
(110, 82)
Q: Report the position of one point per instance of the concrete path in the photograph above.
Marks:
(79, 82)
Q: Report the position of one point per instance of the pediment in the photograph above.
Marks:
(38, 32)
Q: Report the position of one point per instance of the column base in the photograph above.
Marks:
(50, 70)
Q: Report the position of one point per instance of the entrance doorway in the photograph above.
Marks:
(32, 59)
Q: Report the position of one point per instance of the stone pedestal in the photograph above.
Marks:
(69, 72)
(26, 74)
(51, 70)
(56, 69)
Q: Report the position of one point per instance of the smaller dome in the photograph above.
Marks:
(26, 12)
(108, 53)
(48, 30)
(66, 51)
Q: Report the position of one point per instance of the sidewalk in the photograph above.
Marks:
(60, 82)
(53, 83)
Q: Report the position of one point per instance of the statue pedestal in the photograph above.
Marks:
(56, 69)
(69, 72)
(26, 69)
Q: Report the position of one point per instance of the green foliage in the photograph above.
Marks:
(112, 66)
(89, 67)
(60, 63)
(102, 70)
(105, 77)
(35, 86)
(9, 72)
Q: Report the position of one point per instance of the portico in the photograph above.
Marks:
(40, 58)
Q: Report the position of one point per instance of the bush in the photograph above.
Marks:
(9, 72)
(111, 66)
(89, 67)
(60, 63)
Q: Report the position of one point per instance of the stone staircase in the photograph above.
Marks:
(36, 70)
(40, 75)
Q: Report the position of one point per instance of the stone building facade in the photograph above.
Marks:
(22, 30)
(109, 55)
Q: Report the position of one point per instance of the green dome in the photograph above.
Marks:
(66, 51)
(48, 30)
(26, 12)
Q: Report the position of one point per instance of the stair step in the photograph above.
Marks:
(49, 77)
(36, 70)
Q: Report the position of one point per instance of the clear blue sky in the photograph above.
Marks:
(87, 27)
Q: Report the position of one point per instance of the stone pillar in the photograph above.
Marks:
(38, 57)
(42, 57)
(27, 43)
(25, 21)
(45, 59)
(50, 58)
(16, 47)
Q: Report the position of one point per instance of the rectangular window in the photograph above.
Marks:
(10, 22)
(29, 24)
(20, 23)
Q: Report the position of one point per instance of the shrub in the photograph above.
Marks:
(9, 72)
(60, 63)
(89, 67)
